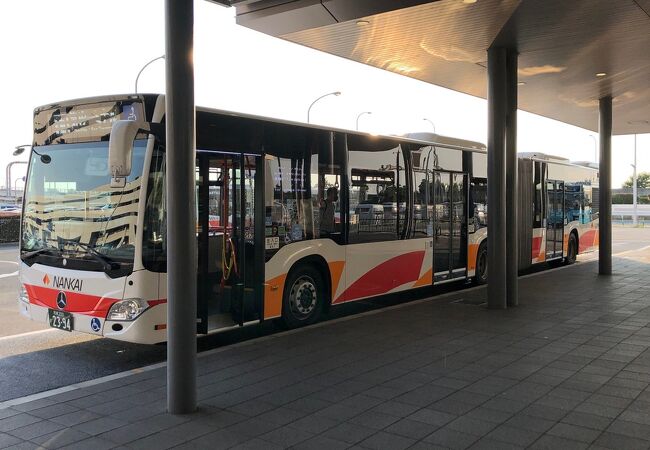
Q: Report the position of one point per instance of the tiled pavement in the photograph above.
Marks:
(568, 368)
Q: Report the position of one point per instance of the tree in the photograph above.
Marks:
(642, 181)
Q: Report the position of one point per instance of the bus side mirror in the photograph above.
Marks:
(120, 149)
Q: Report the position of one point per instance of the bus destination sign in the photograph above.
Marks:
(82, 123)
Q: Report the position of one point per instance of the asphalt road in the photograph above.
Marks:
(34, 358)
(10, 319)
(626, 242)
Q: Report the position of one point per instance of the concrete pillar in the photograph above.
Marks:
(635, 214)
(496, 172)
(181, 220)
(605, 187)
(512, 242)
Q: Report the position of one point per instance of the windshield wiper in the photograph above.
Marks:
(106, 261)
(41, 251)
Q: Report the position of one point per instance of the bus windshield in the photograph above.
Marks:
(72, 216)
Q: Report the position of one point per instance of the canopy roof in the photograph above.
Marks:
(562, 45)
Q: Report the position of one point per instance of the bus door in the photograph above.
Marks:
(449, 225)
(554, 218)
(231, 265)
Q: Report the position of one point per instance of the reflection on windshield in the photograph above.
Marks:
(69, 204)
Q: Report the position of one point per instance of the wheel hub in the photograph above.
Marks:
(303, 296)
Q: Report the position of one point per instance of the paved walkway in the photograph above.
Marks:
(568, 368)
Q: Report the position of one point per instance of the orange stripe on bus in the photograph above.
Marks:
(336, 270)
(471, 256)
(273, 290)
(425, 280)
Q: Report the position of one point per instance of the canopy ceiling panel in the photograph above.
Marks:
(562, 44)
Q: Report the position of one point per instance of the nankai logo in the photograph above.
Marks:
(65, 283)
(46, 280)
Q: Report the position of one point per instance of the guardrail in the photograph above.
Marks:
(622, 214)
(623, 219)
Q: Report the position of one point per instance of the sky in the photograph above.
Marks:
(67, 49)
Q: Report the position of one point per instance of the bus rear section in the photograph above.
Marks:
(557, 210)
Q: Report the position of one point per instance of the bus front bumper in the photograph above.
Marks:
(146, 329)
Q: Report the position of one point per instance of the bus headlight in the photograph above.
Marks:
(127, 309)
(22, 295)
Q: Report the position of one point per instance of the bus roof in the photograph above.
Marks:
(542, 156)
(417, 138)
(538, 156)
(445, 141)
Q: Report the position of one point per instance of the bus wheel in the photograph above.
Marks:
(481, 275)
(572, 249)
(302, 302)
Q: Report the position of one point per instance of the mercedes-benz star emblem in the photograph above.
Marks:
(61, 300)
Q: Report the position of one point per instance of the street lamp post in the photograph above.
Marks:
(19, 149)
(8, 175)
(432, 124)
(144, 67)
(336, 94)
(16, 185)
(635, 217)
(595, 147)
(361, 114)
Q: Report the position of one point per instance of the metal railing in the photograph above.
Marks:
(627, 220)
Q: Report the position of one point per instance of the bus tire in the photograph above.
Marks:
(481, 275)
(572, 249)
(303, 297)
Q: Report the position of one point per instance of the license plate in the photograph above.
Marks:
(60, 319)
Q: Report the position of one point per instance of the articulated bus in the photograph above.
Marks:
(291, 218)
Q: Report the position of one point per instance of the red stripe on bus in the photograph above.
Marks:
(90, 305)
(587, 240)
(536, 246)
(156, 302)
(385, 277)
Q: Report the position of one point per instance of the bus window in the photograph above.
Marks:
(377, 194)
(537, 195)
(291, 186)
(478, 203)
(573, 202)
(587, 205)
(289, 200)
(328, 213)
(595, 202)
(422, 198)
(154, 243)
(329, 206)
